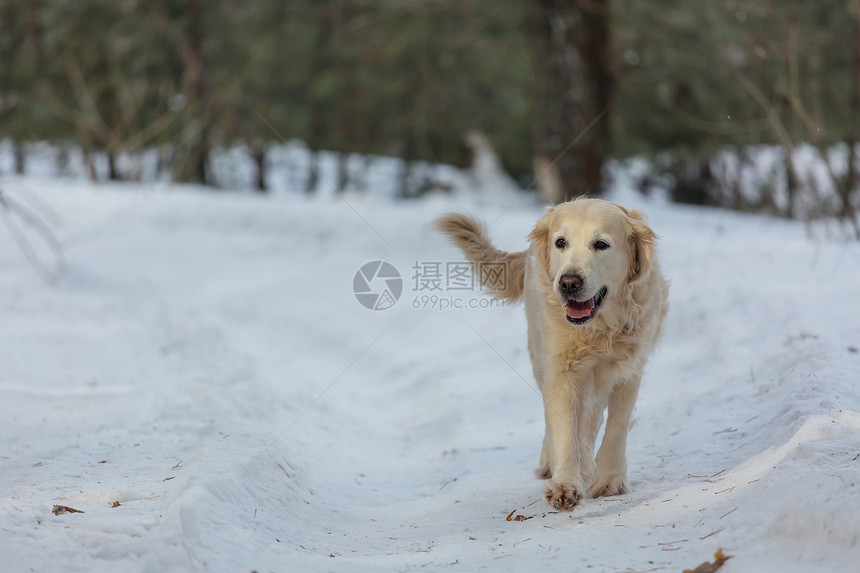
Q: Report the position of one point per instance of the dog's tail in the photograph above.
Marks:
(501, 273)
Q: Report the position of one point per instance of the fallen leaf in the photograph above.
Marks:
(62, 509)
(510, 515)
(522, 517)
(115, 504)
(708, 567)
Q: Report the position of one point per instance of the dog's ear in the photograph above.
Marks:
(539, 237)
(641, 240)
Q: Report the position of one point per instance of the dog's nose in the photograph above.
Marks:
(570, 283)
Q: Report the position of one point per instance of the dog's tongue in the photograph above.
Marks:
(579, 309)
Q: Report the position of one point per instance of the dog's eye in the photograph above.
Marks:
(601, 245)
(560, 243)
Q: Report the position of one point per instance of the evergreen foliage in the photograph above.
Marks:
(411, 77)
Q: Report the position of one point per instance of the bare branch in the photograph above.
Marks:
(14, 213)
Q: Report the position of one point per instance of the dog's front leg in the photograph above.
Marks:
(612, 456)
(562, 407)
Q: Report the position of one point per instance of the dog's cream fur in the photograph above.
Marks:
(581, 369)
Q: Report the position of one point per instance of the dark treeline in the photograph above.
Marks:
(557, 85)
(401, 78)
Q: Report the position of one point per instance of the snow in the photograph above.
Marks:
(204, 362)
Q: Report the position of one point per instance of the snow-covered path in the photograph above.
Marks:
(205, 364)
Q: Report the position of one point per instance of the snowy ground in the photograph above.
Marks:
(204, 364)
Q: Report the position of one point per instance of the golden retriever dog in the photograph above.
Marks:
(595, 302)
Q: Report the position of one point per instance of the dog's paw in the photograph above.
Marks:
(544, 471)
(609, 485)
(562, 496)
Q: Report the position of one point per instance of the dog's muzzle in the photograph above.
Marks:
(581, 311)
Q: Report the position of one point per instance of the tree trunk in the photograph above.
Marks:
(852, 179)
(342, 171)
(317, 124)
(113, 172)
(189, 45)
(791, 183)
(258, 152)
(570, 62)
(313, 171)
(360, 179)
(89, 163)
(199, 152)
(403, 189)
(20, 158)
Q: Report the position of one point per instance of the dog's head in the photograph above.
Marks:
(590, 249)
